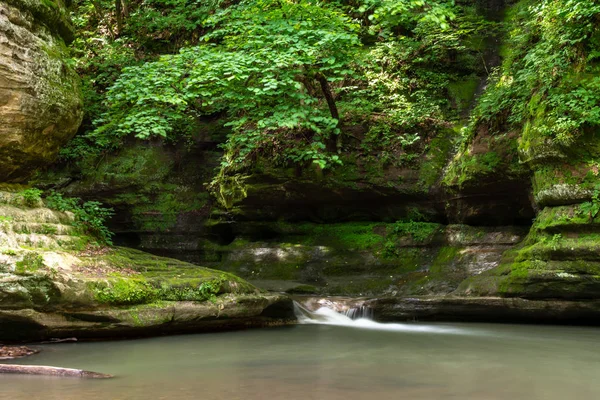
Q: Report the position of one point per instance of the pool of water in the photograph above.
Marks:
(434, 362)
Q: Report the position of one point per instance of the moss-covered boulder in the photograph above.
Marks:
(54, 282)
(40, 101)
(123, 292)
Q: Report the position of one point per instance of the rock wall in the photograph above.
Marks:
(501, 212)
(559, 259)
(40, 101)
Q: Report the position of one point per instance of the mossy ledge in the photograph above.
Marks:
(55, 283)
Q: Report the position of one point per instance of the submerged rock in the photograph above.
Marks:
(11, 352)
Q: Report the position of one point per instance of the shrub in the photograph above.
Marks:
(90, 216)
(31, 197)
(57, 202)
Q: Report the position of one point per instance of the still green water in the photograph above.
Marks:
(433, 362)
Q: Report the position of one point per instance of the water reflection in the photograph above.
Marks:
(329, 362)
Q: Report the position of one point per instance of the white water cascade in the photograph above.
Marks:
(361, 317)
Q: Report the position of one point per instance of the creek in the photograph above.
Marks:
(329, 357)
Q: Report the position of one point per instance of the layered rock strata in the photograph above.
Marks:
(40, 100)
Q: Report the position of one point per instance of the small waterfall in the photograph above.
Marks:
(360, 317)
(362, 312)
(323, 315)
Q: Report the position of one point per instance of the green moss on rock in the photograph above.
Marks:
(52, 13)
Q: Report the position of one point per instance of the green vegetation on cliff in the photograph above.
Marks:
(347, 129)
(543, 102)
(300, 84)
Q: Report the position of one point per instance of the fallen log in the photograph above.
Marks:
(50, 371)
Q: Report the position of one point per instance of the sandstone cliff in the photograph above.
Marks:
(40, 101)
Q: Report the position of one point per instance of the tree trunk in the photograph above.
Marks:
(100, 17)
(52, 371)
(334, 143)
(119, 14)
(328, 96)
(125, 8)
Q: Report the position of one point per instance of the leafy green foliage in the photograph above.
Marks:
(541, 102)
(554, 241)
(102, 49)
(169, 24)
(133, 290)
(262, 66)
(549, 83)
(388, 16)
(418, 231)
(592, 208)
(411, 80)
(48, 229)
(90, 216)
(293, 79)
(205, 291)
(31, 197)
(288, 76)
(99, 55)
(56, 201)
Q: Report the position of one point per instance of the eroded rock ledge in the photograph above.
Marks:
(486, 309)
(467, 309)
(229, 312)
